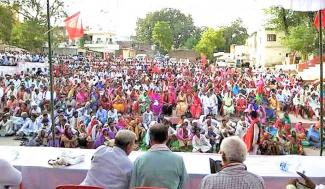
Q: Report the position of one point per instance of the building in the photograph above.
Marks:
(265, 48)
(98, 41)
(126, 49)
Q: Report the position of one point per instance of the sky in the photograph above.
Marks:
(120, 16)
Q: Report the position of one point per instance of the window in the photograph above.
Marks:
(271, 37)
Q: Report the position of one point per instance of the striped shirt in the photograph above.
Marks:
(235, 176)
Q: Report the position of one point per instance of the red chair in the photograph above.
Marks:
(77, 187)
(148, 188)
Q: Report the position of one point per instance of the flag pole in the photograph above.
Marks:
(50, 69)
(321, 79)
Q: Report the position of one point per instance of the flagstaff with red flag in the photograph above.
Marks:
(74, 26)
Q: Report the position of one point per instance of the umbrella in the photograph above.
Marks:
(306, 5)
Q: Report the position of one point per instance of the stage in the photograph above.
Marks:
(37, 174)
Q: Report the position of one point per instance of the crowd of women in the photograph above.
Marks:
(203, 105)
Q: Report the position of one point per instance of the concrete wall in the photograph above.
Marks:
(184, 54)
(266, 53)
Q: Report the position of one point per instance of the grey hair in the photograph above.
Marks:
(124, 138)
(234, 149)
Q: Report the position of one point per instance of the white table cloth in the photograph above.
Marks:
(37, 174)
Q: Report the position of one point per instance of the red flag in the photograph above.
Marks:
(74, 27)
(316, 20)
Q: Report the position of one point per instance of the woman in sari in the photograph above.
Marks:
(81, 98)
(196, 107)
(182, 106)
(119, 102)
(171, 94)
(121, 122)
(69, 140)
(144, 102)
(103, 139)
(156, 104)
(104, 102)
(300, 131)
(56, 142)
(294, 145)
(135, 126)
(82, 135)
(134, 102)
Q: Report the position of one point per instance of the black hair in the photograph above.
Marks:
(159, 133)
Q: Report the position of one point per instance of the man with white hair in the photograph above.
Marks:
(110, 167)
(234, 173)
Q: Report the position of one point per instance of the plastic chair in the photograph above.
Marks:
(148, 188)
(77, 187)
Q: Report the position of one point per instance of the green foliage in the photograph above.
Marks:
(301, 35)
(163, 36)
(194, 38)
(302, 39)
(282, 19)
(6, 23)
(235, 33)
(210, 40)
(181, 25)
(29, 35)
(36, 9)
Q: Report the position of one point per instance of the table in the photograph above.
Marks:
(37, 174)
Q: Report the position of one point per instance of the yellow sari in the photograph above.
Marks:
(119, 104)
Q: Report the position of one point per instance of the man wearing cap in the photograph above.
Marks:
(35, 109)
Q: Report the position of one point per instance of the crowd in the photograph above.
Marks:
(11, 58)
(202, 106)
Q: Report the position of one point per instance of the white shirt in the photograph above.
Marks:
(9, 176)
(110, 168)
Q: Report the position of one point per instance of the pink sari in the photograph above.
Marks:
(81, 98)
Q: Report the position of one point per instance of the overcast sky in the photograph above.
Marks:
(120, 16)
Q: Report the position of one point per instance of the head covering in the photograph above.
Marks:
(24, 114)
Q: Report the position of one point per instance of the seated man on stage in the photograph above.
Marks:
(234, 173)
(107, 160)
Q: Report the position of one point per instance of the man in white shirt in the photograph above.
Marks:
(200, 143)
(147, 118)
(112, 114)
(110, 167)
(10, 177)
(7, 125)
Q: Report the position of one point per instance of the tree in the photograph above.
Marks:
(194, 38)
(29, 35)
(163, 36)
(235, 33)
(302, 39)
(6, 23)
(36, 9)
(182, 26)
(210, 40)
(282, 19)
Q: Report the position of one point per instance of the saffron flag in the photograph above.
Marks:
(316, 20)
(74, 26)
